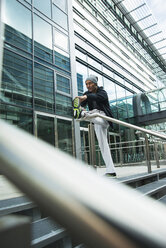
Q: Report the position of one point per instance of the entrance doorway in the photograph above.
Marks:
(45, 128)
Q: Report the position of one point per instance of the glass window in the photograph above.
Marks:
(17, 116)
(16, 79)
(63, 105)
(80, 55)
(18, 26)
(61, 59)
(43, 6)
(59, 17)
(63, 84)
(109, 87)
(94, 63)
(65, 136)
(46, 129)
(61, 4)
(81, 76)
(61, 40)
(42, 39)
(43, 88)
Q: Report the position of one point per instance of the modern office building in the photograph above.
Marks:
(51, 46)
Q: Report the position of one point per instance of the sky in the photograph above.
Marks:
(158, 9)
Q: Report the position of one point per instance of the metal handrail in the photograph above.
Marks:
(88, 205)
(125, 124)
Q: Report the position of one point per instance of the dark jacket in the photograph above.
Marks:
(98, 100)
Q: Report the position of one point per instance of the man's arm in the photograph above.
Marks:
(98, 97)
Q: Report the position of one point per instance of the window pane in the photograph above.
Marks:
(61, 59)
(60, 17)
(45, 129)
(94, 63)
(16, 79)
(42, 39)
(63, 105)
(61, 4)
(65, 136)
(63, 84)
(17, 116)
(81, 76)
(43, 88)
(18, 30)
(43, 6)
(61, 40)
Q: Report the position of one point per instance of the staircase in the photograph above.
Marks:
(46, 233)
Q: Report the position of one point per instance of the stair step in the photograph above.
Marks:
(151, 189)
(143, 178)
(14, 205)
(163, 199)
(46, 231)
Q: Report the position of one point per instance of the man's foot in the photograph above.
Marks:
(76, 108)
(77, 113)
(111, 175)
(76, 102)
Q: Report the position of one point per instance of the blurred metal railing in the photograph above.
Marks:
(92, 150)
(89, 206)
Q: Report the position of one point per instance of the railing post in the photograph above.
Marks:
(92, 148)
(156, 154)
(147, 153)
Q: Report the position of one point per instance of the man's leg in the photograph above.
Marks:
(101, 133)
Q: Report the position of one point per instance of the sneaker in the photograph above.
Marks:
(77, 113)
(111, 175)
(76, 102)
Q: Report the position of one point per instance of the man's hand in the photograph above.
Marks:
(82, 98)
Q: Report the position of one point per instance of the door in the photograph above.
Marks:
(45, 128)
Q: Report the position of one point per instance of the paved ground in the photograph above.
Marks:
(8, 190)
(130, 170)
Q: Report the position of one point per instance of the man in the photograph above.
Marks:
(97, 100)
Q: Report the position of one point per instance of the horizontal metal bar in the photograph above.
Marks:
(90, 206)
(122, 123)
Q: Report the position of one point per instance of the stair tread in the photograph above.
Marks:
(45, 231)
(163, 199)
(12, 205)
(152, 187)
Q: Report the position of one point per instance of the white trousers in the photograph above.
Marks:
(101, 127)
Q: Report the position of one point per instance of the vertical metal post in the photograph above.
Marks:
(92, 148)
(147, 154)
(156, 154)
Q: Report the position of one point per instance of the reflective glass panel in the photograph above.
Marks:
(43, 6)
(61, 4)
(94, 63)
(63, 105)
(65, 135)
(59, 17)
(61, 40)
(63, 84)
(45, 129)
(18, 26)
(42, 39)
(16, 79)
(17, 116)
(61, 59)
(81, 76)
(43, 88)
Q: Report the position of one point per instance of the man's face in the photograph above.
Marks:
(90, 86)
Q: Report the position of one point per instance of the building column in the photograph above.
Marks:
(73, 77)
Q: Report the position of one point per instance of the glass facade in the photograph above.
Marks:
(36, 79)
